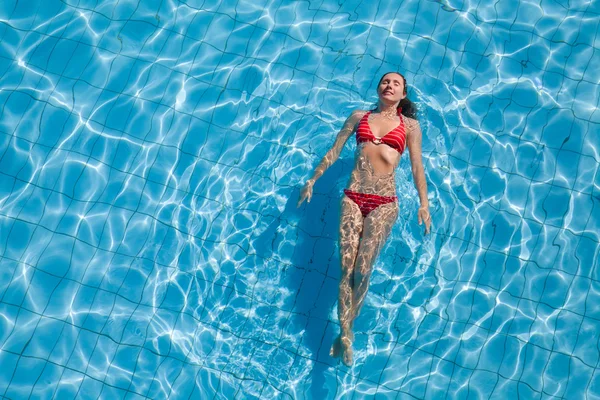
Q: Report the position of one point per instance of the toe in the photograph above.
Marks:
(347, 348)
(347, 358)
(335, 348)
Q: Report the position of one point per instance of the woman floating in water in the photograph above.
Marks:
(370, 206)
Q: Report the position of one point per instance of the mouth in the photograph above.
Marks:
(388, 92)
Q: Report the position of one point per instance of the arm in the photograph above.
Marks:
(414, 140)
(333, 154)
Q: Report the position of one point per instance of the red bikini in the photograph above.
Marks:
(395, 138)
(368, 202)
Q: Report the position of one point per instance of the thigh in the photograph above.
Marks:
(351, 227)
(376, 229)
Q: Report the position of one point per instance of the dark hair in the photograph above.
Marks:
(408, 107)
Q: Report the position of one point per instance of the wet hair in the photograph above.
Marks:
(408, 107)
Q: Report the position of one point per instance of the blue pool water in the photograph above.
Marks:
(151, 154)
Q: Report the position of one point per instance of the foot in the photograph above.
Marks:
(347, 348)
(336, 348)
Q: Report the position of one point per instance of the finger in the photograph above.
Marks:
(419, 218)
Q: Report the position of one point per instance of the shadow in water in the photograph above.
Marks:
(314, 273)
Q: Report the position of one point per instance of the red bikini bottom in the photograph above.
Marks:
(368, 202)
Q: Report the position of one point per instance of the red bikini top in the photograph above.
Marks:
(395, 138)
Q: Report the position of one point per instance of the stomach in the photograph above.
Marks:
(365, 178)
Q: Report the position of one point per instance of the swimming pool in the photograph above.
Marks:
(151, 154)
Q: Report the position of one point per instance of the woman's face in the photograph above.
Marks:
(391, 89)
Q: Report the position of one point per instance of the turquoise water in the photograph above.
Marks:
(151, 154)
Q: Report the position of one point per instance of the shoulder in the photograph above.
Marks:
(412, 125)
(357, 115)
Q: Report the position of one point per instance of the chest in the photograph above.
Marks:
(380, 127)
(388, 134)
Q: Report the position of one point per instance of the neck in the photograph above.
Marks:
(387, 109)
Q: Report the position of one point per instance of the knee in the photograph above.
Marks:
(347, 273)
(362, 271)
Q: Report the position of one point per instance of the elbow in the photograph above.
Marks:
(417, 170)
(333, 156)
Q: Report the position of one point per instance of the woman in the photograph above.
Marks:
(370, 206)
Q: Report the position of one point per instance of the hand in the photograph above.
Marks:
(306, 192)
(424, 216)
